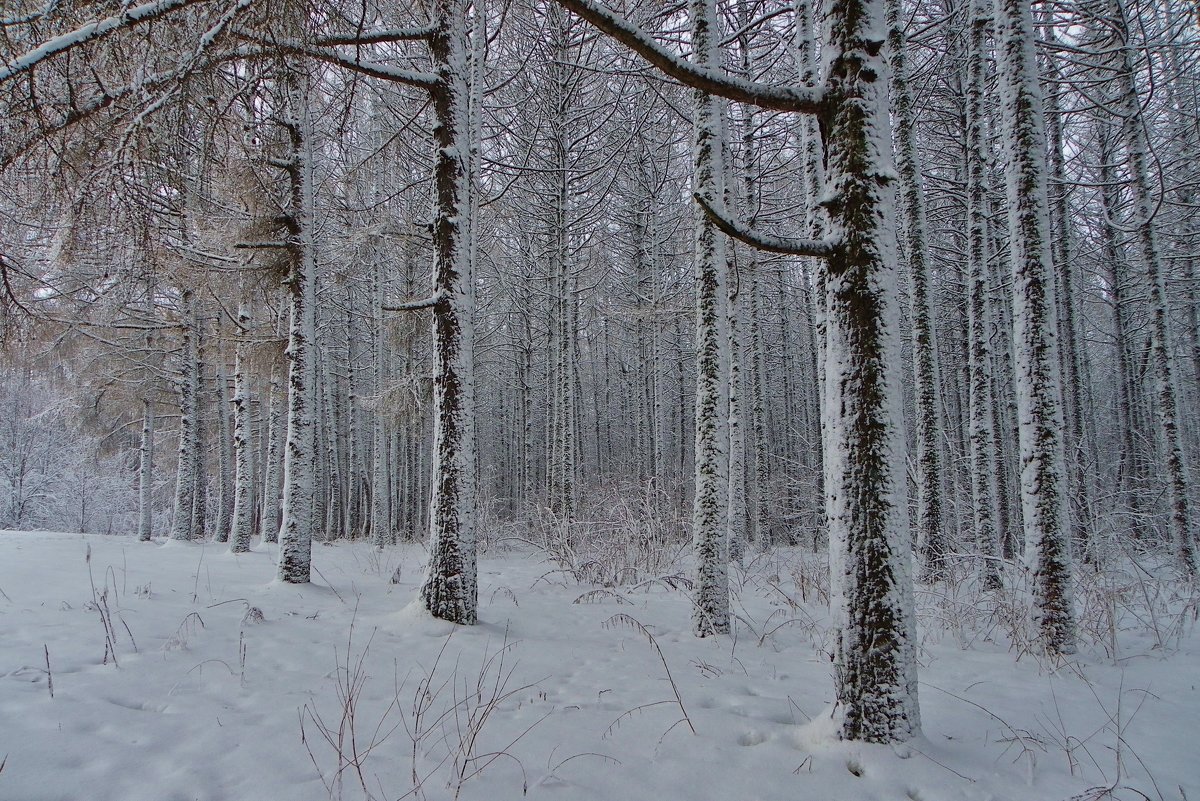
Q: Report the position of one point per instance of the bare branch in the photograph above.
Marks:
(262, 245)
(415, 305)
(90, 33)
(779, 98)
(376, 37)
(817, 248)
(373, 69)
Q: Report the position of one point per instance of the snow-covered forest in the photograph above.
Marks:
(867, 330)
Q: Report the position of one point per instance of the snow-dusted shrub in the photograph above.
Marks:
(621, 535)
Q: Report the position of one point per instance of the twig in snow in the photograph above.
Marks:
(49, 675)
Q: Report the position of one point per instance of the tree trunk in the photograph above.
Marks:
(710, 610)
(450, 591)
(1039, 392)
(300, 459)
(981, 427)
(146, 474)
(183, 524)
(931, 536)
(1137, 157)
(243, 480)
(870, 558)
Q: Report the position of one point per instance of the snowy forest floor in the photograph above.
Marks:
(165, 687)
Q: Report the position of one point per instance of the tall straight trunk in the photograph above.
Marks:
(981, 427)
(243, 446)
(450, 590)
(1070, 351)
(870, 559)
(736, 518)
(561, 469)
(380, 496)
(225, 466)
(183, 525)
(737, 528)
(1039, 391)
(525, 388)
(298, 523)
(199, 452)
(760, 506)
(931, 536)
(146, 474)
(1137, 157)
(812, 271)
(710, 598)
(273, 469)
(354, 471)
(335, 508)
(1006, 461)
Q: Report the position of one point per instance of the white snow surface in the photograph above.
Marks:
(584, 709)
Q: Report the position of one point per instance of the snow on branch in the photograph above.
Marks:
(329, 55)
(779, 98)
(90, 33)
(415, 305)
(818, 248)
(376, 37)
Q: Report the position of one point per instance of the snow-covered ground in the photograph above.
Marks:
(165, 688)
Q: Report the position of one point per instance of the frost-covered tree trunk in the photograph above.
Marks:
(931, 538)
(450, 591)
(225, 467)
(273, 469)
(736, 518)
(984, 490)
(812, 270)
(561, 467)
(146, 474)
(199, 452)
(354, 473)
(1039, 407)
(298, 523)
(710, 599)
(1137, 157)
(759, 508)
(737, 528)
(183, 524)
(331, 480)
(380, 512)
(865, 504)
(1071, 347)
(243, 480)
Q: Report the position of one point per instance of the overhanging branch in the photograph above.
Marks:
(779, 98)
(376, 37)
(90, 33)
(416, 305)
(817, 248)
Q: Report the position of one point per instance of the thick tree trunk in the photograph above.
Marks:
(870, 558)
(710, 610)
(300, 459)
(450, 591)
